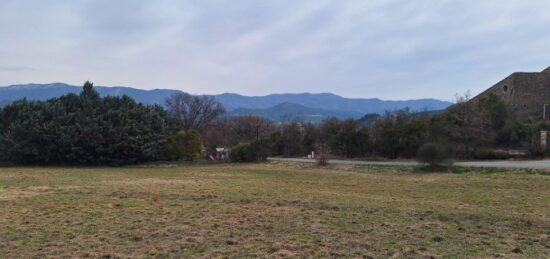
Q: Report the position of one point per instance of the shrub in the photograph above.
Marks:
(174, 147)
(193, 144)
(240, 153)
(184, 145)
(322, 160)
(251, 152)
(433, 154)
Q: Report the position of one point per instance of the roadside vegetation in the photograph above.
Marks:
(87, 129)
(273, 210)
(434, 156)
(471, 129)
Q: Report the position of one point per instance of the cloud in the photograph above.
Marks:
(15, 68)
(390, 49)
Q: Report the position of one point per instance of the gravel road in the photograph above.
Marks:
(527, 164)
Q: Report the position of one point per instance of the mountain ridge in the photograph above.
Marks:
(326, 103)
(330, 101)
(293, 111)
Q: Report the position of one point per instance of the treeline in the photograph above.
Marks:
(396, 134)
(478, 128)
(87, 129)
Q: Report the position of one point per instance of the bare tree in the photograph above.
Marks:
(230, 131)
(193, 112)
(251, 128)
(467, 127)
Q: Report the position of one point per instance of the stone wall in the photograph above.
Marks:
(524, 94)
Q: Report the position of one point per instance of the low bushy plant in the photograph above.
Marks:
(322, 160)
(434, 155)
(184, 146)
(251, 152)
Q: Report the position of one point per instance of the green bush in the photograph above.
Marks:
(433, 154)
(240, 153)
(184, 146)
(193, 142)
(82, 129)
(251, 152)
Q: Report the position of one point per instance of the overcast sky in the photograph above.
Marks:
(399, 49)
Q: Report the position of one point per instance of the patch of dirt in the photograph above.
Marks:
(151, 182)
(283, 254)
(425, 226)
(343, 167)
(426, 179)
(11, 194)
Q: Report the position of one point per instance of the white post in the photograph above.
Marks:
(543, 138)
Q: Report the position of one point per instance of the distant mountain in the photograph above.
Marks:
(369, 119)
(329, 101)
(47, 91)
(305, 104)
(294, 111)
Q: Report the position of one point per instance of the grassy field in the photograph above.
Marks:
(272, 210)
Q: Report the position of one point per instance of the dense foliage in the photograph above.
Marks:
(230, 131)
(397, 134)
(478, 128)
(251, 152)
(433, 154)
(184, 145)
(86, 129)
(82, 129)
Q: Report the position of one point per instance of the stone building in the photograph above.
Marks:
(525, 94)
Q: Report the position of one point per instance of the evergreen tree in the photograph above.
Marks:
(82, 129)
(184, 146)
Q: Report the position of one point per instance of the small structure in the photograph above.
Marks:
(543, 140)
(222, 153)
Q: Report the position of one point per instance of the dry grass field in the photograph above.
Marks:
(272, 210)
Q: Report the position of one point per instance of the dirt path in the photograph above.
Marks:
(527, 164)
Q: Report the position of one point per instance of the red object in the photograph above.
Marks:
(157, 200)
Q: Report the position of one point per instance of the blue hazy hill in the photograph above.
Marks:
(306, 105)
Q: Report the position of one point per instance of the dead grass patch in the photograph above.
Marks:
(149, 182)
(11, 194)
(271, 210)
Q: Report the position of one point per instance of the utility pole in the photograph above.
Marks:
(544, 111)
